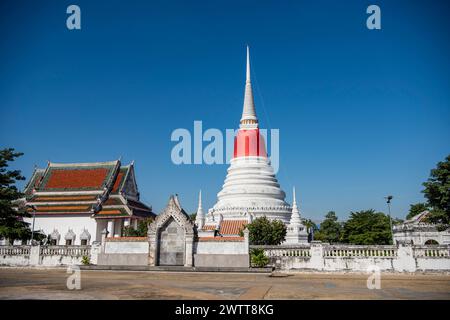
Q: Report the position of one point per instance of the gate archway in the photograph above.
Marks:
(171, 237)
(171, 244)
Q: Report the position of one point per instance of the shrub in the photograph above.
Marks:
(85, 260)
(258, 258)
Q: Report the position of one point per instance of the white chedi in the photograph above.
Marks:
(296, 230)
(250, 186)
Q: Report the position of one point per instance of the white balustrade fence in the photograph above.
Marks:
(44, 255)
(73, 251)
(325, 257)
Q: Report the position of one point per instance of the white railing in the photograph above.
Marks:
(72, 251)
(14, 250)
(285, 251)
(431, 251)
(359, 251)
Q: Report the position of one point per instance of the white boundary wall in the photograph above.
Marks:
(314, 257)
(324, 257)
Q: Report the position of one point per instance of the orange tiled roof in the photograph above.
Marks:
(112, 211)
(133, 239)
(64, 198)
(66, 178)
(222, 239)
(79, 178)
(232, 226)
(113, 201)
(117, 182)
(209, 227)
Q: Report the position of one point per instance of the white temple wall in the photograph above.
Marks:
(63, 223)
(220, 247)
(112, 247)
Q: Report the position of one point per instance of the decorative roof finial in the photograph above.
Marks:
(294, 201)
(249, 119)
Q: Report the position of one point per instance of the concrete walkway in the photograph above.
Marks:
(26, 283)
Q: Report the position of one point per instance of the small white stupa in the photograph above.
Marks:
(200, 216)
(296, 230)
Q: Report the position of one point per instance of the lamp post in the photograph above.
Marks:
(388, 201)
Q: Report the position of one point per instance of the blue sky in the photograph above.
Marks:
(361, 113)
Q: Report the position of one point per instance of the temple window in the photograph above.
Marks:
(70, 237)
(85, 237)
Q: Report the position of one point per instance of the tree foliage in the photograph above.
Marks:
(140, 231)
(367, 227)
(258, 258)
(312, 229)
(12, 226)
(330, 229)
(437, 192)
(262, 231)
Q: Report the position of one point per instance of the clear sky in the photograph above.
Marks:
(361, 113)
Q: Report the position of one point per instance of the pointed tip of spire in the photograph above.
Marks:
(199, 208)
(294, 200)
(247, 79)
(248, 119)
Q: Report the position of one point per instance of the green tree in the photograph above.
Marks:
(330, 229)
(193, 216)
(12, 226)
(262, 231)
(140, 231)
(367, 227)
(312, 229)
(415, 209)
(437, 191)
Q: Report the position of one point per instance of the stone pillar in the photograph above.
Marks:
(189, 253)
(34, 255)
(153, 249)
(246, 239)
(96, 249)
(111, 226)
(405, 260)
(247, 244)
(118, 228)
(317, 261)
(104, 235)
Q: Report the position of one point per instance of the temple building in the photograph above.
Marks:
(251, 189)
(418, 231)
(73, 203)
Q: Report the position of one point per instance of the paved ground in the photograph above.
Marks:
(51, 284)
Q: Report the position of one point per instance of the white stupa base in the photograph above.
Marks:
(296, 235)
